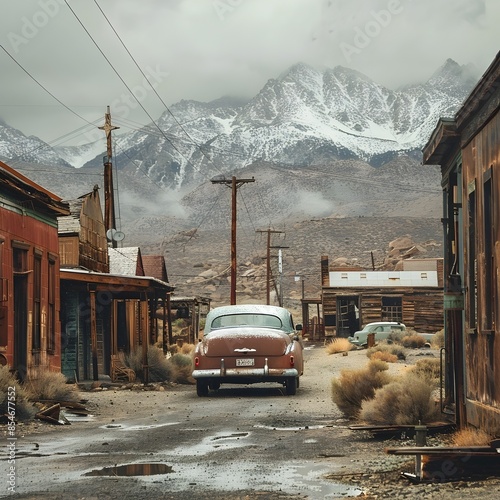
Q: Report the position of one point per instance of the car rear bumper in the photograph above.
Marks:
(261, 373)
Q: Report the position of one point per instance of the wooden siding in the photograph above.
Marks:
(32, 230)
(422, 308)
(480, 159)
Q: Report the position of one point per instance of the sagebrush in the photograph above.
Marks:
(353, 387)
(339, 344)
(158, 368)
(471, 437)
(393, 349)
(405, 401)
(24, 409)
(429, 368)
(181, 366)
(43, 384)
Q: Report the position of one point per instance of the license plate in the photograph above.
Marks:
(245, 362)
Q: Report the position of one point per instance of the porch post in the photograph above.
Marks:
(93, 334)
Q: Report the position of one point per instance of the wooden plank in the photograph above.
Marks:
(444, 451)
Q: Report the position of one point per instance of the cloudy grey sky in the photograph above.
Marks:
(204, 49)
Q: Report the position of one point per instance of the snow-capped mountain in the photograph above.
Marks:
(304, 117)
(15, 146)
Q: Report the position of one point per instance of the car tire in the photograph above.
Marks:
(202, 388)
(291, 386)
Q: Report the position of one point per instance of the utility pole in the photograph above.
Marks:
(109, 202)
(268, 273)
(280, 271)
(234, 183)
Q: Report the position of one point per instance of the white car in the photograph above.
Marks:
(381, 329)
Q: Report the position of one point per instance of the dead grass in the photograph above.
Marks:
(181, 366)
(187, 349)
(353, 387)
(413, 341)
(159, 369)
(471, 437)
(384, 356)
(24, 409)
(438, 340)
(48, 385)
(393, 349)
(337, 345)
(428, 368)
(405, 401)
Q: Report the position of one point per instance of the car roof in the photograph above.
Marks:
(385, 323)
(281, 312)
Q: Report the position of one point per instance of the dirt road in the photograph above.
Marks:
(238, 443)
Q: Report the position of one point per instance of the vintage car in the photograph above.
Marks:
(381, 329)
(246, 344)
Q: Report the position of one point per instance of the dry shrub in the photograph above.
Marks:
(428, 368)
(353, 387)
(385, 356)
(406, 401)
(438, 340)
(181, 366)
(394, 349)
(158, 368)
(471, 437)
(187, 349)
(413, 341)
(337, 345)
(24, 410)
(44, 384)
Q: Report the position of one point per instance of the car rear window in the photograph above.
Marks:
(233, 320)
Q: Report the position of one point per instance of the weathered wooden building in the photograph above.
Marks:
(351, 298)
(102, 313)
(83, 242)
(467, 147)
(30, 328)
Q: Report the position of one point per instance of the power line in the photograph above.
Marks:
(127, 86)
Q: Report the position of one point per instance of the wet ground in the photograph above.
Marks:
(241, 442)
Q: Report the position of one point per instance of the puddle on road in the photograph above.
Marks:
(129, 470)
(292, 478)
(76, 417)
(276, 428)
(125, 427)
(217, 442)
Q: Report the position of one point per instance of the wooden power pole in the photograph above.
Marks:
(268, 256)
(109, 201)
(234, 183)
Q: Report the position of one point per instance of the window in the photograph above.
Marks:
(489, 242)
(37, 296)
(472, 262)
(392, 309)
(51, 320)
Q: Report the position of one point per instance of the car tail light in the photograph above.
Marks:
(196, 361)
(292, 361)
